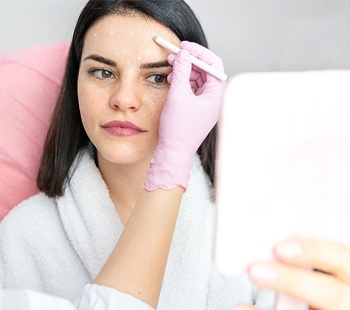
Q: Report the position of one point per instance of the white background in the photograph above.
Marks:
(250, 35)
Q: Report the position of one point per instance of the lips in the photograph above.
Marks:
(122, 128)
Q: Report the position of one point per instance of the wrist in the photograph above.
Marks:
(169, 168)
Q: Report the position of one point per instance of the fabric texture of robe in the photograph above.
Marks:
(60, 245)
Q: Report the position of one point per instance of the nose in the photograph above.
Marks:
(125, 97)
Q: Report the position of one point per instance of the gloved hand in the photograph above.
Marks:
(191, 110)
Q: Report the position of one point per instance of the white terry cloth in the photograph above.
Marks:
(59, 246)
(93, 297)
(20, 299)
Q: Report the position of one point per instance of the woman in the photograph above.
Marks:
(126, 199)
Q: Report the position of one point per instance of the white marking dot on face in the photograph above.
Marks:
(127, 40)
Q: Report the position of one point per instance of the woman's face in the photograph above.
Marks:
(122, 86)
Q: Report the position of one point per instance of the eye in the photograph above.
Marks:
(159, 79)
(101, 74)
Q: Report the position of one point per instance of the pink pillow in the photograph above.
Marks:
(29, 83)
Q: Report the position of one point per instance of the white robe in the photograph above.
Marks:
(93, 297)
(60, 245)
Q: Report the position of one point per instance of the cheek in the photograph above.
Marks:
(87, 101)
(156, 105)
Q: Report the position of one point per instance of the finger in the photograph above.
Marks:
(196, 79)
(193, 84)
(203, 54)
(182, 67)
(206, 56)
(204, 80)
(171, 58)
(329, 256)
(195, 75)
(321, 291)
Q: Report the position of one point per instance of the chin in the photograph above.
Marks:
(124, 156)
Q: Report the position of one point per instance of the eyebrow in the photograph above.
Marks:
(109, 62)
(101, 59)
(152, 65)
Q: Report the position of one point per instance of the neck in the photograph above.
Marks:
(124, 182)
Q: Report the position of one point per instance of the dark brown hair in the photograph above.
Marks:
(66, 135)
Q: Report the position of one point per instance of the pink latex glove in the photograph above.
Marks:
(187, 117)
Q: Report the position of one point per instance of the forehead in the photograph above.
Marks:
(127, 35)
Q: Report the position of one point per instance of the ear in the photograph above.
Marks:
(29, 85)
